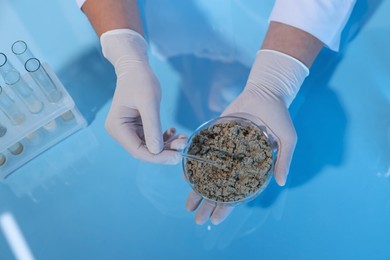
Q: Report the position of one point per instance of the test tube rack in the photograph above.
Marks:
(39, 131)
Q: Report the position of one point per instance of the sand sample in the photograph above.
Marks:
(244, 155)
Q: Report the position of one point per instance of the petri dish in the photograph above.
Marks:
(245, 152)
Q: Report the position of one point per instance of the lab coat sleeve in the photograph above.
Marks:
(80, 2)
(324, 19)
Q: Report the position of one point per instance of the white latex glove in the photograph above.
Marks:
(134, 116)
(272, 85)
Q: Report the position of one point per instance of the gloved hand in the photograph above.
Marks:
(134, 117)
(272, 85)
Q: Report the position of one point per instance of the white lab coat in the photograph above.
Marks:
(324, 19)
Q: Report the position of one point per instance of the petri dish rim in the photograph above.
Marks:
(271, 143)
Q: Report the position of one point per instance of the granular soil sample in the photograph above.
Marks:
(243, 157)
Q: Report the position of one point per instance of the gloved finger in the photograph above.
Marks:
(164, 157)
(138, 127)
(181, 136)
(220, 214)
(284, 156)
(150, 116)
(232, 108)
(169, 134)
(204, 212)
(193, 201)
(128, 137)
(178, 143)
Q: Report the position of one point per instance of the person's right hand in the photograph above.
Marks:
(274, 81)
(134, 117)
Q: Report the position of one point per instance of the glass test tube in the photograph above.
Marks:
(13, 79)
(3, 159)
(10, 109)
(51, 126)
(3, 130)
(16, 149)
(67, 116)
(43, 80)
(34, 137)
(21, 51)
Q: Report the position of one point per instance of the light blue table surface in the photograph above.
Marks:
(86, 198)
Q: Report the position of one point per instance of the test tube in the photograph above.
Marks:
(16, 149)
(3, 159)
(3, 130)
(51, 126)
(10, 109)
(21, 51)
(13, 79)
(43, 80)
(34, 137)
(67, 116)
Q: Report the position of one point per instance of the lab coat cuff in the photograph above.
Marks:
(80, 3)
(324, 19)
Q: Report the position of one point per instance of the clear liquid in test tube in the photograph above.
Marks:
(13, 79)
(10, 109)
(3, 130)
(43, 80)
(3, 159)
(16, 149)
(21, 51)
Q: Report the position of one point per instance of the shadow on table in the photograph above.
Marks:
(90, 80)
(207, 86)
(209, 83)
(319, 117)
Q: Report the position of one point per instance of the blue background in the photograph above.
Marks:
(86, 198)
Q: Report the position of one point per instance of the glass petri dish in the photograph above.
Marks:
(210, 181)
